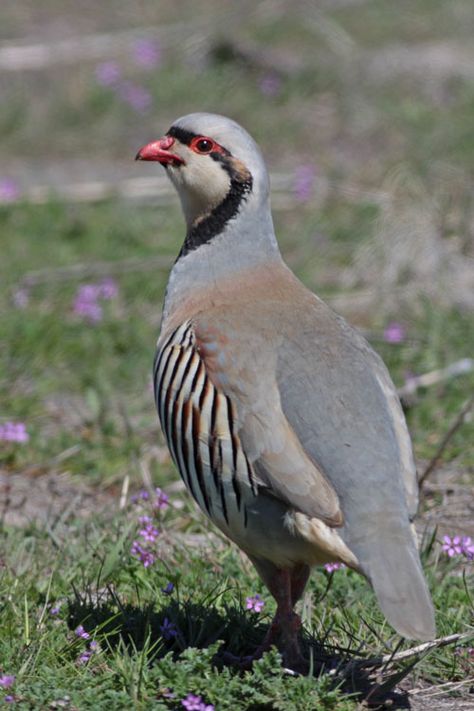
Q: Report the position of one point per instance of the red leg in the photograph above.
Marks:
(299, 578)
(286, 586)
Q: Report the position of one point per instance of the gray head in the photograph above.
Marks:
(212, 162)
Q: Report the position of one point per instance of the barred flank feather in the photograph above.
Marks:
(198, 422)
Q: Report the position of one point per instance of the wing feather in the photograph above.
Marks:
(279, 462)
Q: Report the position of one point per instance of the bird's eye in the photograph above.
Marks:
(203, 145)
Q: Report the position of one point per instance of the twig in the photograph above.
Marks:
(446, 439)
(408, 653)
(459, 367)
(124, 492)
(160, 191)
(440, 688)
(20, 57)
(94, 269)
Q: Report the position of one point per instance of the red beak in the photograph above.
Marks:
(159, 151)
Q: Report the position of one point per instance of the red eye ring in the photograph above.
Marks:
(203, 145)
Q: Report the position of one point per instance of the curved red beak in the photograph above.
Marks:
(159, 151)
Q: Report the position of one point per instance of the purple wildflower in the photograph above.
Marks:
(55, 610)
(270, 84)
(142, 495)
(146, 53)
(107, 73)
(136, 96)
(452, 546)
(9, 190)
(254, 603)
(85, 303)
(468, 547)
(168, 589)
(161, 500)
(108, 289)
(145, 556)
(304, 182)
(149, 533)
(7, 680)
(81, 632)
(20, 298)
(84, 657)
(89, 292)
(394, 332)
(195, 703)
(168, 629)
(14, 432)
(9, 699)
(331, 567)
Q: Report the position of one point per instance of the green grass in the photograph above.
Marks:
(87, 571)
(96, 377)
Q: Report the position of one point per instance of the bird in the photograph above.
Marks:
(282, 421)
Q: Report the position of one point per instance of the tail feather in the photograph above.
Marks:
(394, 569)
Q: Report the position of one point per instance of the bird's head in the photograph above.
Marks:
(210, 160)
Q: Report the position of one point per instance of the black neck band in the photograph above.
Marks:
(213, 224)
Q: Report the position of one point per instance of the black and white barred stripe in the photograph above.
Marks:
(198, 422)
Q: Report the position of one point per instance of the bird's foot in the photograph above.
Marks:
(245, 662)
(282, 633)
(289, 644)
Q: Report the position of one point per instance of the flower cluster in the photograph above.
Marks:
(81, 632)
(456, 545)
(85, 656)
(14, 432)
(394, 332)
(87, 300)
(331, 567)
(91, 648)
(146, 55)
(168, 629)
(144, 547)
(158, 502)
(9, 190)
(7, 680)
(254, 603)
(195, 703)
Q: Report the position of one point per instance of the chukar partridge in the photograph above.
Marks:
(282, 421)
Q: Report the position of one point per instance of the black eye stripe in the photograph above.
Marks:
(182, 135)
(186, 137)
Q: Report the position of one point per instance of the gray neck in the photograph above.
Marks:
(245, 242)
